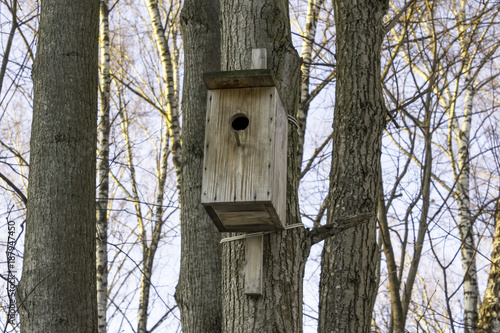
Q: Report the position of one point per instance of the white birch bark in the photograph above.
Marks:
(172, 132)
(169, 77)
(103, 170)
(307, 48)
(468, 249)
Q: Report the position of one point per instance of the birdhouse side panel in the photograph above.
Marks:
(238, 163)
(280, 157)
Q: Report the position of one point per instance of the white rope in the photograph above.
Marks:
(230, 239)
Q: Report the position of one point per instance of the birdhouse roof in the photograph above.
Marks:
(239, 79)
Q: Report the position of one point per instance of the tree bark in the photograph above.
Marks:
(349, 261)
(169, 76)
(103, 170)
(489, 314)
(313, 9)
(265, 24)
(198, 293)
(57, 292)
(465, 221)
(396, 308)
(149, 253)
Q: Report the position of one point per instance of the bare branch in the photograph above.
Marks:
(396, 17)
(15, 188)
(342, 224)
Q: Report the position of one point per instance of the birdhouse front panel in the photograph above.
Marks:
(244, 170)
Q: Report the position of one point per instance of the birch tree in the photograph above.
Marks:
(169, 76)
(430, 53)
(436, 192)
(308, 43)
(103, 168)
(171, 132)
(142, 195)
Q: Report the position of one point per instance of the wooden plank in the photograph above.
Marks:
(254, 265)
(259, 59)
(244, 217)
(254, 249)
(280, 152)
(239, 79)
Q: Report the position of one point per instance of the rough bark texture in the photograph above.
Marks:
(489, 315)
(57, 292)
(103, 170)
(265, 24)
(349, 261)
(198, 293)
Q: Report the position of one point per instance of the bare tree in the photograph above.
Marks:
(103, 168)
(422, 54)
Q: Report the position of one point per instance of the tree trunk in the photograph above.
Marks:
(489, 315)
(265, 24)
(198, 292)
(348, 283)
(397, 319)
(103, 170)
(57, 292)
(169, 76)
(465, 222)
(313, 9)
(149, 253)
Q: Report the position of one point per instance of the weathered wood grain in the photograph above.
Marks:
(239, 79)
(247, 171)
(253, 266)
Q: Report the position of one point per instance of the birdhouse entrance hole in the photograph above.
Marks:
(240, 122)
(244, 165)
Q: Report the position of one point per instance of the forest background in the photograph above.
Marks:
(438, 206)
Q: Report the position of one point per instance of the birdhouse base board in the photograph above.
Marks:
(244, 217)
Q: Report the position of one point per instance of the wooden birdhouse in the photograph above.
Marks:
(244, 167)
